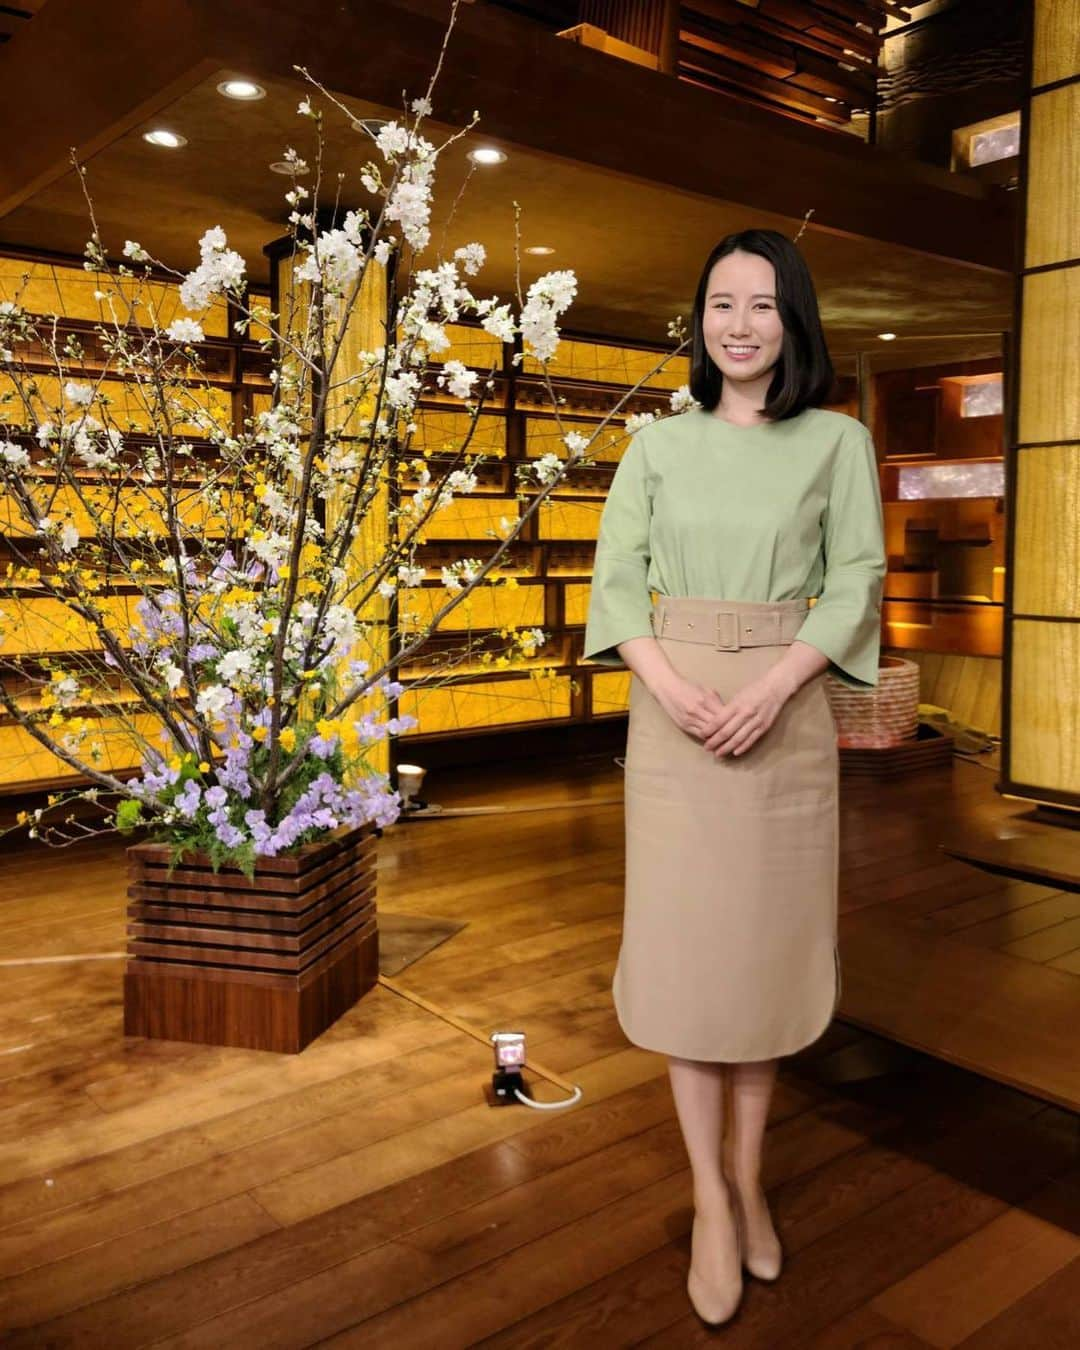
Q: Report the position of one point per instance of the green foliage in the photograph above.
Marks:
(129, 816)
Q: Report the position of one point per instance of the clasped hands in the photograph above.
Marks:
(729, 728)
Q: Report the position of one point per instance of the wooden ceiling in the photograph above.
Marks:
(630, 176)
(812, 60)
(815, 61)
(14, 18)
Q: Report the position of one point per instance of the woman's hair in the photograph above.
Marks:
(804, 374)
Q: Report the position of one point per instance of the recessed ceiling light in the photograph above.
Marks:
(170, 140)
(487, 154)
(288, 169)
(829, 99)
(542, 249)
(246, 90)
(887, 337)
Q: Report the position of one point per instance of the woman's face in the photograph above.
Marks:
(741, 323)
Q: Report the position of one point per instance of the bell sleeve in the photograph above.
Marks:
(845, 621)
(619, 602)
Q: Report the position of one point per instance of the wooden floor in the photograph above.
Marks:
(363, 1194)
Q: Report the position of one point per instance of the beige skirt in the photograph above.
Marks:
(729, 935)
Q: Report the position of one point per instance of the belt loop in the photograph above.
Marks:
(658, 619)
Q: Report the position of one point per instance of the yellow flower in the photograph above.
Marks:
(203, 766)
(259, 734)
(288, 740)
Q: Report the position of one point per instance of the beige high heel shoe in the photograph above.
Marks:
(714, 1304)
(763, 1264)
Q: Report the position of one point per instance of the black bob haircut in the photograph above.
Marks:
(804, 375)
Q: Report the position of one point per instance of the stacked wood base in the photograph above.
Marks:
(930, 749)
(267, 963)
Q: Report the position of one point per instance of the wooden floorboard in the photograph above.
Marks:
(364, 1193)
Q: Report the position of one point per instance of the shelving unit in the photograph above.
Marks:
(236, 386)
(551, 563)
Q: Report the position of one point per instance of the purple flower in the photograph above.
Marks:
(230, 835)
(187, 801)
(323, 746)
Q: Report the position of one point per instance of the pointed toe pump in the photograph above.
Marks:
(714, 1303)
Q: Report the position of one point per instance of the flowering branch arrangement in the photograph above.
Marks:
(226, 596)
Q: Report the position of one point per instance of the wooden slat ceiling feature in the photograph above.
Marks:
(14, 18)
(815, 60)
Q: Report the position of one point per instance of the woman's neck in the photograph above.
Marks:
(740, 403)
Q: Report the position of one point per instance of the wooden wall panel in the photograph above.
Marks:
(1046, 547)
(1045, 749)
(1053, 220)
(1041, 712)
(1057, 41)
(1049, 388)
(969, 686)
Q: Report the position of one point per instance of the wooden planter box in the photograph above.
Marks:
(267, 964)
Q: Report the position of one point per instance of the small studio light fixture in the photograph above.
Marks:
(410, 778)
(887, 337)
(540, 250)
(247, 91)
(168, 140)
(487, 154)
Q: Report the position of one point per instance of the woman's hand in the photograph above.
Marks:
(693, 708)
(746, 717)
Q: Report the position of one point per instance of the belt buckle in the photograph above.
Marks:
(733, 618)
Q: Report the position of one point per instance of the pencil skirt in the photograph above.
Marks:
(729, 942)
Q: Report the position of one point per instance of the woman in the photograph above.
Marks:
(735, 514)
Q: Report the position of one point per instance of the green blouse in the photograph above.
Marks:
(702, 508)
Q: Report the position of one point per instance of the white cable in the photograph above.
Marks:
(549, 1106)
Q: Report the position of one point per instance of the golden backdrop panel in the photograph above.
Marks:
(490, 703)
(473, 347)
(442, 431)
(1053, 221)
(486, 607)
(1050, 355)
(1046, 558)
(139, 510)
(543, 436)
(1057, 40)
(23, 760)
(37, 623)
(470, 518)
(570, 520)
(129, 407)
(576, 599)
(1045, 705)
(602, 362)
(364, 332)
(610, 691)
(72, 293)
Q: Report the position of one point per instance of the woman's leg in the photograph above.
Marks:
(715, 1280)
(752, 1088)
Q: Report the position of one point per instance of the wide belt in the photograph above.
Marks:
(728, 625)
